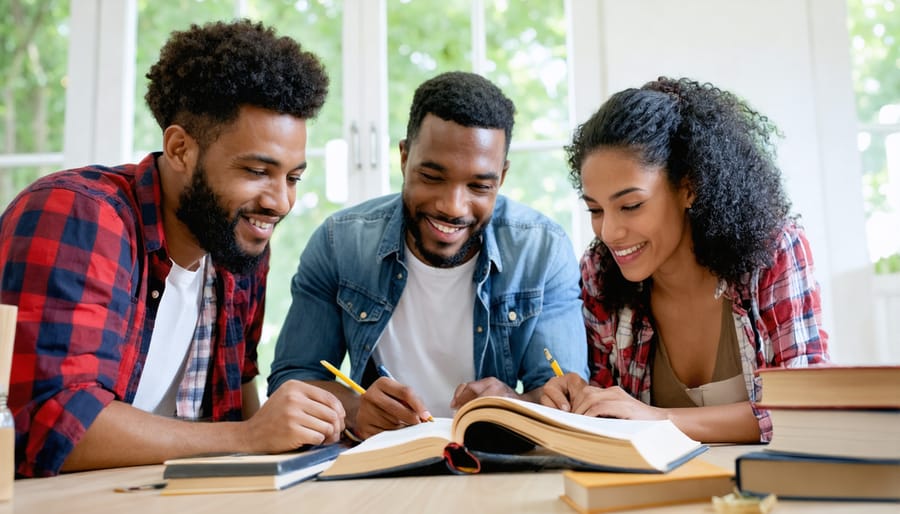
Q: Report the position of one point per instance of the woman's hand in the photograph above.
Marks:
(558, 392)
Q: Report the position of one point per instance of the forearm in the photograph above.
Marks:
(123, 435)
(732, 423)
(250, 399)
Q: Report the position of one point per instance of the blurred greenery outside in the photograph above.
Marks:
(525, 55)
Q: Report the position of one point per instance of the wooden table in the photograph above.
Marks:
(526, 492)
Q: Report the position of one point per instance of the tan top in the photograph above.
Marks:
(727, 384)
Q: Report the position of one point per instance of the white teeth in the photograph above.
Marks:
(444, 229)
(259, 224)
(628, 251)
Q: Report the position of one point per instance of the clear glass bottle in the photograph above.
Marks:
(7, 450)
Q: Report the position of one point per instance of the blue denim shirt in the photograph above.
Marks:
(352, 273)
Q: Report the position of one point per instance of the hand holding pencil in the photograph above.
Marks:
(385, 405)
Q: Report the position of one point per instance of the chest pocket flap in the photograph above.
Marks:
(515, 309)
(360, 306)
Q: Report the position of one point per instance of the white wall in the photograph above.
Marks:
(790, 60)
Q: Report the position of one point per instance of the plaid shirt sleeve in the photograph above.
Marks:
(67, 260)
(790, 307)
(790, 316)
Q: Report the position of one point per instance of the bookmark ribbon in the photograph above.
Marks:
(460, 460)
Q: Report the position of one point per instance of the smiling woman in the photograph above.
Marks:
(697, 276)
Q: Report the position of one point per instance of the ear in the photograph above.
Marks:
(503, 173)
(404, 153)
(687, 194)
(180, 149)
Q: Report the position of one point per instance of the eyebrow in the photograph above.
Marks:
(268, 160)
(617, 194)
(488, 175)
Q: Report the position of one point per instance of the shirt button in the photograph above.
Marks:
(154, 294)
(512, 315)
(363, 315)
(399, 276)
(479, 329)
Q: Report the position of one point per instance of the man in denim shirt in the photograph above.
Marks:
(453, 288)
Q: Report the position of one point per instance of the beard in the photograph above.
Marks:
(202, 211)
(437, 260)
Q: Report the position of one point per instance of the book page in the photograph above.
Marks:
(439, 429)
(609, 427)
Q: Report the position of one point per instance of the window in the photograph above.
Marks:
(33, 66)
(875, 50)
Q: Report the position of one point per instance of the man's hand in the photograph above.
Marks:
(296, 414)
(388, 405)
(490, 386)
(559, 392)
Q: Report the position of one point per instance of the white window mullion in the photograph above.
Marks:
(99, 103)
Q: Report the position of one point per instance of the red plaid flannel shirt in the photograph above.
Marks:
(83, 255)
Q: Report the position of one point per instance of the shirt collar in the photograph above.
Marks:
(149, 197)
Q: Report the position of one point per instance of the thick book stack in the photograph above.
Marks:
(836, 434)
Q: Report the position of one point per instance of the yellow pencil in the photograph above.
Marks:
(553, 364)
(353, 385)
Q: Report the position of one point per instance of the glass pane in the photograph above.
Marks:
(880, 154)
(874, 28)
(540, 179)
(317, 25)
(14, 180)
(33, 66)
(525, 55)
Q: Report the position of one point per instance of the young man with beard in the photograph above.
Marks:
(454, 288)
(141, 287)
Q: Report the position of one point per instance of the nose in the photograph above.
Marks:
(278, 198)
(453, 202)
(609, 229)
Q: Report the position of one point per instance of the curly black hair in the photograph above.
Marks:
(205, 74)
(464, 98)
(717, 145)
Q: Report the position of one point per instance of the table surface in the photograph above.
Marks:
(525, 492)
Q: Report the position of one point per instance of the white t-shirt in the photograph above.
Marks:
(173, 331)
(428, 342)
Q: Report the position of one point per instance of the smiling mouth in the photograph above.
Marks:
(444, 229)
(260, 224)
(624, 252)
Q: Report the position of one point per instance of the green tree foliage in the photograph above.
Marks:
(874, 27)
(32, 93)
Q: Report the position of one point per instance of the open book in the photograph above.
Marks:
(507, 432)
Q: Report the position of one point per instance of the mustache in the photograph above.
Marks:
(261, 212)
(460, 222)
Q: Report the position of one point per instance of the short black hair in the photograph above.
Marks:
(206, 74)
(714, 143)
(464, 98)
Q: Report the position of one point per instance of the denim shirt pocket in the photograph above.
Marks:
(360, 306)
(514, 310)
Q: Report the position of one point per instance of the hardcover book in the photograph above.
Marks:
(807, 477)
(829, 386)
(695, 481)
(505, 433)
(246, 472)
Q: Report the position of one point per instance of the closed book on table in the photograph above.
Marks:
(852, 433)
(830, 386)
(246, 472)
(499, 433)
(695, 481)
(806, 477)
